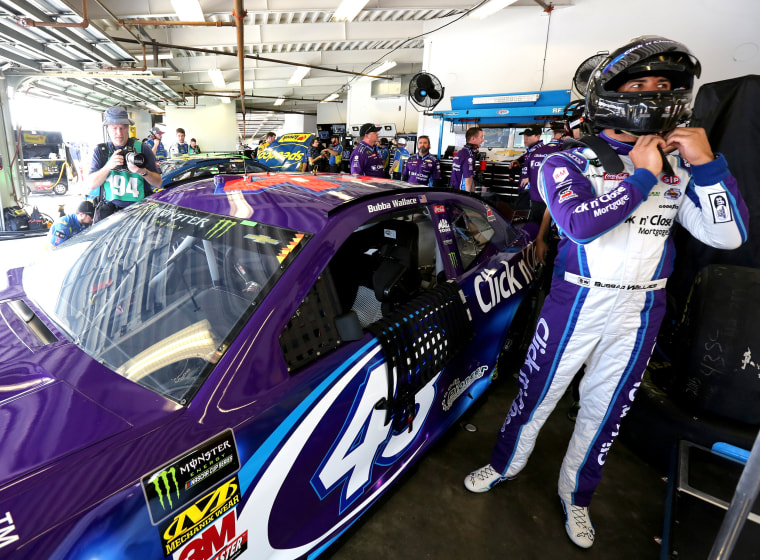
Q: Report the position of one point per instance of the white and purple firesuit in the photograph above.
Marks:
(607, 299)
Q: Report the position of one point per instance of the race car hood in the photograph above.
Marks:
(38, 403)
(36, 407)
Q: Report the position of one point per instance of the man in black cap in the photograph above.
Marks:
(531, 139)
(366, 159)
(67, 226)
(121, 180)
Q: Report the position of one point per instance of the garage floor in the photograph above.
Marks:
(430, 515)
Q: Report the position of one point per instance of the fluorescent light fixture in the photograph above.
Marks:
(298, 75)
(225, 100)
(329, 98)
(348, 10)
(384, 67)
(490, 8)
(280, 101)
(216, 77)
(188, 10)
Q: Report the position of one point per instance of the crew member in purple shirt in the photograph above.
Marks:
(422, 168)
(463, 166)
(366, 159)
(535, 158)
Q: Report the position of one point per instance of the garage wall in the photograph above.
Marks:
(212, 123)
(505, 53)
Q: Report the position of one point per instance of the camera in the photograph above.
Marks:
(131, 156)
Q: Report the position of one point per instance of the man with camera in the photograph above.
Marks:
(124, 169)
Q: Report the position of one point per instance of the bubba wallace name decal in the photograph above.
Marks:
(458, 388)
(401, 202)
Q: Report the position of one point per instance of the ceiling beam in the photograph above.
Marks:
(4, 53)
(46, 50)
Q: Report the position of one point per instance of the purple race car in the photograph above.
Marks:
(240, 367)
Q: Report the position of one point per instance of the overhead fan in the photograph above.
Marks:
(425, 91)
(583, 73)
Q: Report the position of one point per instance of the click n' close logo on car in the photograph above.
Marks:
(223, 370)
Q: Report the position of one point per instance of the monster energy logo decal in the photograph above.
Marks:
(174, 485)
(220, 228)
(161, 484)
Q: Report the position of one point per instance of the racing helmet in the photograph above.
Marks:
(646, 112)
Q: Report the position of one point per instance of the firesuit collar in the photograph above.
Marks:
(622, 148)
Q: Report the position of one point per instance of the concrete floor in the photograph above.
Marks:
(430, 515)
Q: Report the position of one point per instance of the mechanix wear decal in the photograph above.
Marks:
(176, 484)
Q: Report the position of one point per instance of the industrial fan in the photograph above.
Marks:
(583, 73)
(425, 91)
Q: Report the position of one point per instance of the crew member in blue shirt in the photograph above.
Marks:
(365, 159)
(400, 156)
(336, 154)
(67, 226)
(155, 144)
(422, 168)
(463, 165)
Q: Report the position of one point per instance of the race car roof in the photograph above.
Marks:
(295, 200)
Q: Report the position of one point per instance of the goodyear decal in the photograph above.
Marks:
(176, 484)
(292, 245)
(34, 138)
(180, 528)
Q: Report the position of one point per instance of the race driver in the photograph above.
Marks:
(615, 254)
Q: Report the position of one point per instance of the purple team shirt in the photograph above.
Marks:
(366, 160)
(422, 170)
(463, 167)
(533, 161)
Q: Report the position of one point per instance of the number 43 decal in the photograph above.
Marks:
(366, 441)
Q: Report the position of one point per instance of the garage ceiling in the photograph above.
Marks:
(135, 53)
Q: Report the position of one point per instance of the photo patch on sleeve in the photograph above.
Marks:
(720, 208)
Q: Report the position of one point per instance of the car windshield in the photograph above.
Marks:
(157, 292)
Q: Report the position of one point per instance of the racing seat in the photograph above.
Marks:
(397, 279)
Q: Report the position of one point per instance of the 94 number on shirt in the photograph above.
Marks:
(122, 186)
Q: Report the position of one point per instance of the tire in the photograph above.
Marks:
(655, 424)
(717, 371)
(60, 189)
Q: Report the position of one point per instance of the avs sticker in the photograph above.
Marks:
(720, 209)
(178, 529)
(566, 194)
(672, 194)
(559, 174)
(178, 483)
(671, 179)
